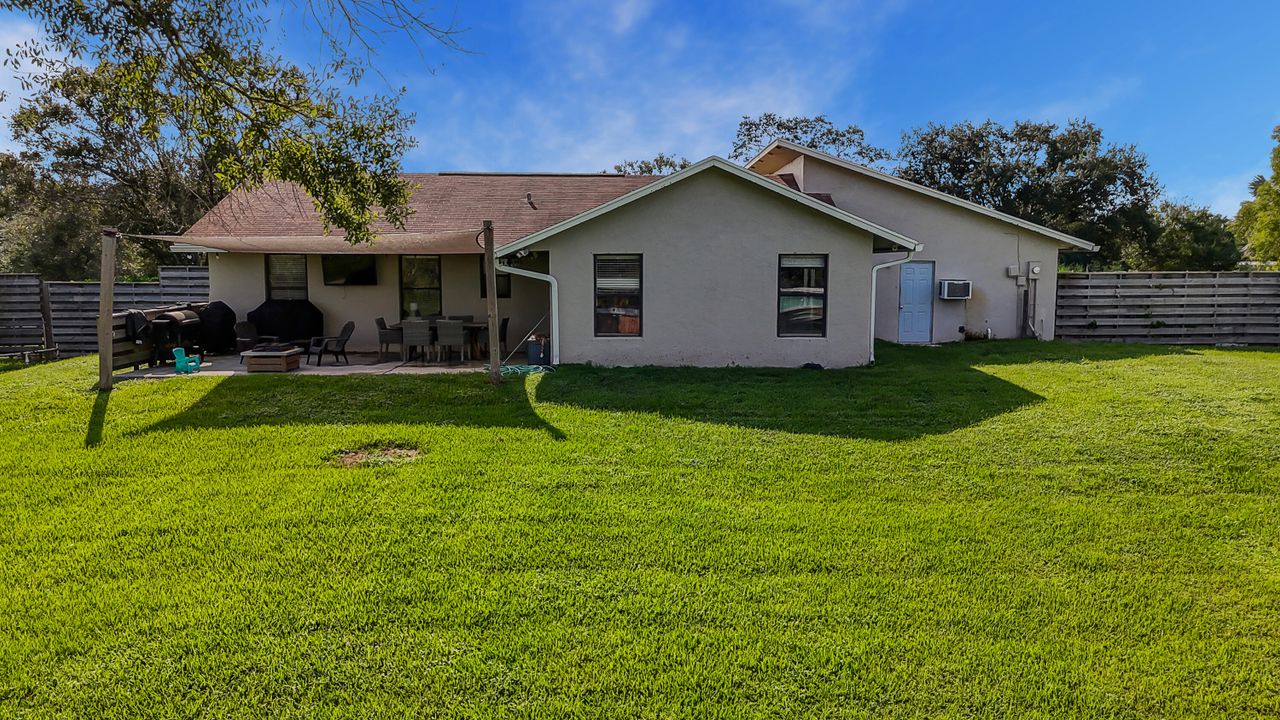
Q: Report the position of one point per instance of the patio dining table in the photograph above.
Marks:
(476, 331)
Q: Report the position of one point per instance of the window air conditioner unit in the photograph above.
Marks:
(955, 289)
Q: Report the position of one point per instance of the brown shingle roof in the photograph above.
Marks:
(443, 203)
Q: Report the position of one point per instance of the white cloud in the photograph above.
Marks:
(1225, 194)
(1094, 101)
(590, 98)
(830, 14)
(627, 13)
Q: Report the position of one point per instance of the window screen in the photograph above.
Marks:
(618, 295)
(802, 296)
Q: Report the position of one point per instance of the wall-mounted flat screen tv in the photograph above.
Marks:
(349, 269)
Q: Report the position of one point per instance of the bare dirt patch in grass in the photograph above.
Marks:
(375, 455)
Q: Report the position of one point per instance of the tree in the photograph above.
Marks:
(1191, 238)
(113, 175)
(755, 134)
(1063, 178)
(661, 164)
(200, 74)
(45, 228)
(1257, 223)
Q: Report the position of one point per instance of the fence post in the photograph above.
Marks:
(46, 314)
(106, 291)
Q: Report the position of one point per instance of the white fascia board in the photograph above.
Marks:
(894, 180)
(732, 169)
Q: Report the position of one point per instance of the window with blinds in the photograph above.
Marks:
(618, 295)
(286, 277)
(802, 296)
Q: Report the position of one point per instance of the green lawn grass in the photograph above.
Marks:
(989, 529)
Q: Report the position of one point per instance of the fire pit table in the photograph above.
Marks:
(271, 358)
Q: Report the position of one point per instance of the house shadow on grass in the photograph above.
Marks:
(910, 393)
(462, 400)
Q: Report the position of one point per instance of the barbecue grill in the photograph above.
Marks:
(173, 329)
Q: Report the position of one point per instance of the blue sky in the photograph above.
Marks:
(578, 86)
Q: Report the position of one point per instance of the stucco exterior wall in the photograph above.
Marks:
(710, 278)
(239, 279)
(962, 244)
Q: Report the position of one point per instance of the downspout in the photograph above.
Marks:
(875, 273)
(555, 305)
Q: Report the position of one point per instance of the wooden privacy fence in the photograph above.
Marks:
(1192, 308)
(74, 305)
(24, 312)
(66, 313)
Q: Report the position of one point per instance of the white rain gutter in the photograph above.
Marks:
(875, 272)
(555, 304)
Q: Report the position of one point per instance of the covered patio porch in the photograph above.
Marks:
(400, 277)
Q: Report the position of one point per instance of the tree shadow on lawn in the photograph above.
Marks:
(910, 393)
(97, 419)
(464, 400)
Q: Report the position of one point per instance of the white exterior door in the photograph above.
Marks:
(915, 302)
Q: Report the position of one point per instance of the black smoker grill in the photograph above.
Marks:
(176, 328)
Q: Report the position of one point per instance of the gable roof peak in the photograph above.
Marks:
(715, 161)
(764, 163)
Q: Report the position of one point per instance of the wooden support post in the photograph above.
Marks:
(106, 297)
(491, 285)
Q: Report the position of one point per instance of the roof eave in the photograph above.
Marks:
(707, 163)
(1070, 241)
(768, 150)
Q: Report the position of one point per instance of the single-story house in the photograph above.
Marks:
(797, 258)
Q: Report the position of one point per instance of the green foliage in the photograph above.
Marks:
(93, 171)
(54, 240)
(1190, 238)
(1063, 178)
(1258, 221)
(49, 227)
(755, 134)
(661, 164)
(198, 77)
(980, 530)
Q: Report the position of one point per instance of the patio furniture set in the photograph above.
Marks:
(266, 353)
(436, 337)
(440, 334)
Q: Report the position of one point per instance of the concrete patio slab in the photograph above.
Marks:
(361, 364)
